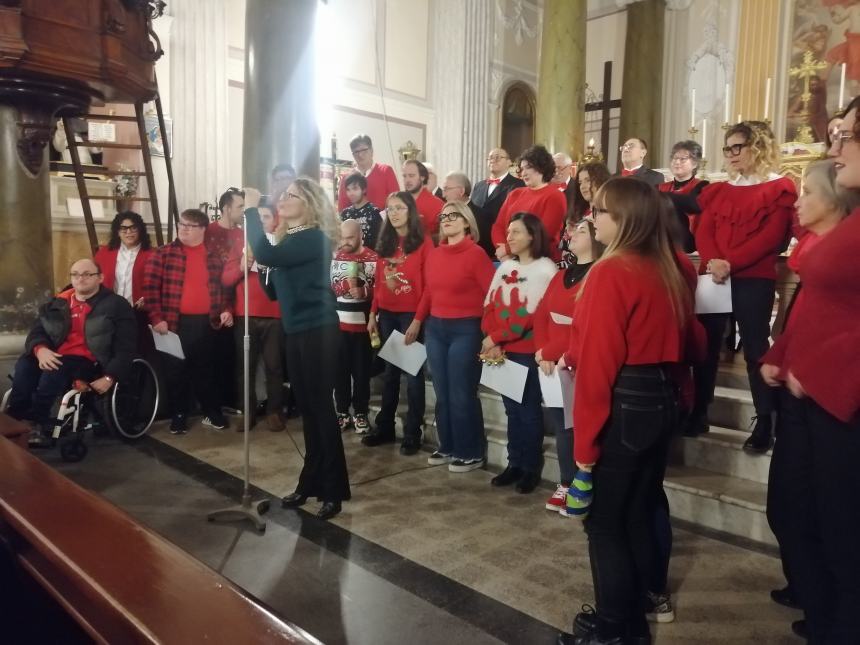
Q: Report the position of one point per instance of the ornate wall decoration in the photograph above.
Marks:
(709, 69)
(516, 22)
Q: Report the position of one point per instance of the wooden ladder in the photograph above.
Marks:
(143, 146)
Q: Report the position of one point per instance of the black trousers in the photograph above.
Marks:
(312, 357)
(196, 372)
(352, 383)
(225, 363)
(266, 338)
(752, 305)
(35, 391)
(628, 479)
(813, 507)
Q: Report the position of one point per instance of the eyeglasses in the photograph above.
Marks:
(358, 151)
(626, 146)
(450, 217)
(680, 158)
(127, 229)
(399, 209)
(497, 158)
(735, 150)
(86, 275)
(188, 225)
(839, 137)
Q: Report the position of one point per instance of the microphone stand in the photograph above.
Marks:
(247, 510)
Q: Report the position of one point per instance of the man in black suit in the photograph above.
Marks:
(489, 194)
(458, 188)
(633, 153)
(564, 177)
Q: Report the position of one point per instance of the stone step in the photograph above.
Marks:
(732, 408)
(721, 451)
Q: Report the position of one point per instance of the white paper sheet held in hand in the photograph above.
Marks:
(713, 298)
(508, 379)
(409, 358)
(557, 390)
(168, 343)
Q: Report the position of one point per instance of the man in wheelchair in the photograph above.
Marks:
(87, 333)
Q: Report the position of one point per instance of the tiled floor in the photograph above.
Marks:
(420, 554)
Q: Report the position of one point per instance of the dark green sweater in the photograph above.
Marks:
(301, 265)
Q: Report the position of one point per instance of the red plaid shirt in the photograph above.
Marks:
(162, 285)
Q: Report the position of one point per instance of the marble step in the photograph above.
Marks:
(732, 408)
(721, 451)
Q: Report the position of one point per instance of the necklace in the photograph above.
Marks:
(299, 229)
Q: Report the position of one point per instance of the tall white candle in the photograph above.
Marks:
(842, 88)
(704, 138)
(767, 99)
(739, 118)
(726, 119)
(693, 108)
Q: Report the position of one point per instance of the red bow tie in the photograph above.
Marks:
(494, 182)
(626, 173)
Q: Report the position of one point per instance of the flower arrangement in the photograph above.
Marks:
(126, 185)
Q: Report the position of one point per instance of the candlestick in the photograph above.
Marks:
(727, 106)
(693, 108)
(767, 99)
(842, 88)
(704, 135)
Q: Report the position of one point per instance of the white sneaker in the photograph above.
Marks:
(556, 502)
(660, 608)
(465, 465)
(438, 458)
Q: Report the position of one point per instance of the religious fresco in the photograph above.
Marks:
(825, 48)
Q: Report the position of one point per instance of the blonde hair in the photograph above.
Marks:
(318, 209)
(823, 175)
(468, 215)
(644, 229)
(762, 144)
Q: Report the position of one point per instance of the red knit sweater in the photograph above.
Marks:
(400, 279)
(548, 203)
(429, 206)
(194, 299)
(512, 300)
(381, 182)
(456, 279)
(554, 317)
(745, 225)
(821, 344)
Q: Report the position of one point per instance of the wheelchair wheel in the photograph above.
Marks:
(130, 409)
(73, 449)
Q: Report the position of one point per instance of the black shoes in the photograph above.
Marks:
(293, 500)
(178, 424)
(328, 510)
(785, 597)
(761, 439)
(528, 482)
(589, 629)
(508, 476)
(410, 445)
(800, 629)
(377, 439)
(696, 425)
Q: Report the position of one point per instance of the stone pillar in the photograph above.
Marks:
(560, 119)
(280, 77)
(642, 84)
(479, 43)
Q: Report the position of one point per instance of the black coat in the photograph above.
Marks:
(492, 204)
(485, 227)
(647, 175)
(110, 330)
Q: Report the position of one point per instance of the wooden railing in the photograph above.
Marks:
(118, 580)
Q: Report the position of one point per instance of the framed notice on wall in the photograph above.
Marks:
(153, 135)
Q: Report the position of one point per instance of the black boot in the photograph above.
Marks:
(528, 482)
(697, 424)
(507, 477)
(761, 439)
(376, 438)
(785, 597)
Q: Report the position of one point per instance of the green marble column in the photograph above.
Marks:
(26, 279)
(560, 119)
(280, 114)
(642, 87)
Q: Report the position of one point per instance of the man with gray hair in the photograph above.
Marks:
(564, 168)
(458, 188)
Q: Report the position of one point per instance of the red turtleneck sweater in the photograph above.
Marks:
(456, 279)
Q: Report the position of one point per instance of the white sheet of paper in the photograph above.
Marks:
(508, 379)
(557, 390)
(409, 358)
(713, 298)
(168, 343)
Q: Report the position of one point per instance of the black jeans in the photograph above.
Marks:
(352, 384)
(415, 395)
(752, 305)
(628, 478)
(195, 373)
(225, 362)
(813, 507)
(266, 336)
(34, 391)
(312, 361)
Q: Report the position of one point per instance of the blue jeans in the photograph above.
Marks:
(453, 345)
(525, 420)
(34, 391)
(390, 321)
(563, 446)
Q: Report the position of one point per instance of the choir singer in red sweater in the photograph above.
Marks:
(627, 341)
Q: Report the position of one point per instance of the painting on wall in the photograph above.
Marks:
(825, 65)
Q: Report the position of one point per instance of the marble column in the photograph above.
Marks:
(479, 43)
(560, 118)
(449, 45)
(642, 84)
(280, 123)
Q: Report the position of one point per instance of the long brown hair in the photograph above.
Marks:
(643, 229)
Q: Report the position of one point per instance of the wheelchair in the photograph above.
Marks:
(127, 411)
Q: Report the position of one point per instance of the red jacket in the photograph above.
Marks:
(554, 316)
(513, 299)
(748, 226)
(106, 259)
(429, 206)
(259, 303)
(456, 279)
(381, 182)
(400, 279)
(548, 203)
(821, 343)
(163, 282)
(623, 317)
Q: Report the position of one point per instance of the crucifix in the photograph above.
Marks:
(605, 106)
(805, 72)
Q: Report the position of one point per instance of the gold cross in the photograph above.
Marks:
(806, 71)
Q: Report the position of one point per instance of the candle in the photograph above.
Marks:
(704, 137)
(726, 118)
(767, 99)
(591, 142)
(842, 88)
(739, 118)
(693, 108)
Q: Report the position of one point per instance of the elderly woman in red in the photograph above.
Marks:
(745, 223)
(815, 473)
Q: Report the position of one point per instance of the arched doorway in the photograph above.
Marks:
(518, 119)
